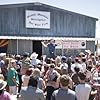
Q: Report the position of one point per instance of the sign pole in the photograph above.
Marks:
(17, 46)
(62, 48)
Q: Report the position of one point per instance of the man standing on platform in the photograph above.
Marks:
(51, 46)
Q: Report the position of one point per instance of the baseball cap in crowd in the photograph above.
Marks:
(63, 58)
(82, 54)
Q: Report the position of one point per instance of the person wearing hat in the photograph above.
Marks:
(3, 94)
(12, 78)
(34, 60)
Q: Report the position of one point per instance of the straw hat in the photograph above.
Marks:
(34, 55)
(2, 84)
(2, 54)
(88, 51)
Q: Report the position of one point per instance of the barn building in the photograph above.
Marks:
(25, 25)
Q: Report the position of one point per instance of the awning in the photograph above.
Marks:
(47, 38)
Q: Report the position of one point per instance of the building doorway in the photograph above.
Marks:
(37, 47)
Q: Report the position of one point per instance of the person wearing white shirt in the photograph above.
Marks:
(83, 64)
(83, 89)
(76, 64)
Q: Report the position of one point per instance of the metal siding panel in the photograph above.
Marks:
(58, 24)
(90, 45)
(25, 46)
(69, 27)
(81, 26)
(62, 23)
(12, 47)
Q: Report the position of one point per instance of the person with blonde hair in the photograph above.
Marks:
(41, 82)
(12, 78)
(58, 61)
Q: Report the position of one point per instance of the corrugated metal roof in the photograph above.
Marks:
(9, 5)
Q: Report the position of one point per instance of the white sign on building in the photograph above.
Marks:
(59, 44)
(37, 19)
(71, 44)
(74, 44)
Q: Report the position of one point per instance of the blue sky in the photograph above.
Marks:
(86, 7)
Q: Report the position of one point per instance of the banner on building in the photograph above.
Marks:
(37, 19)
(71, 44)
(59, 44)
(3, 45)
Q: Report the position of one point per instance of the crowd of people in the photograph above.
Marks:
(59, 78)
